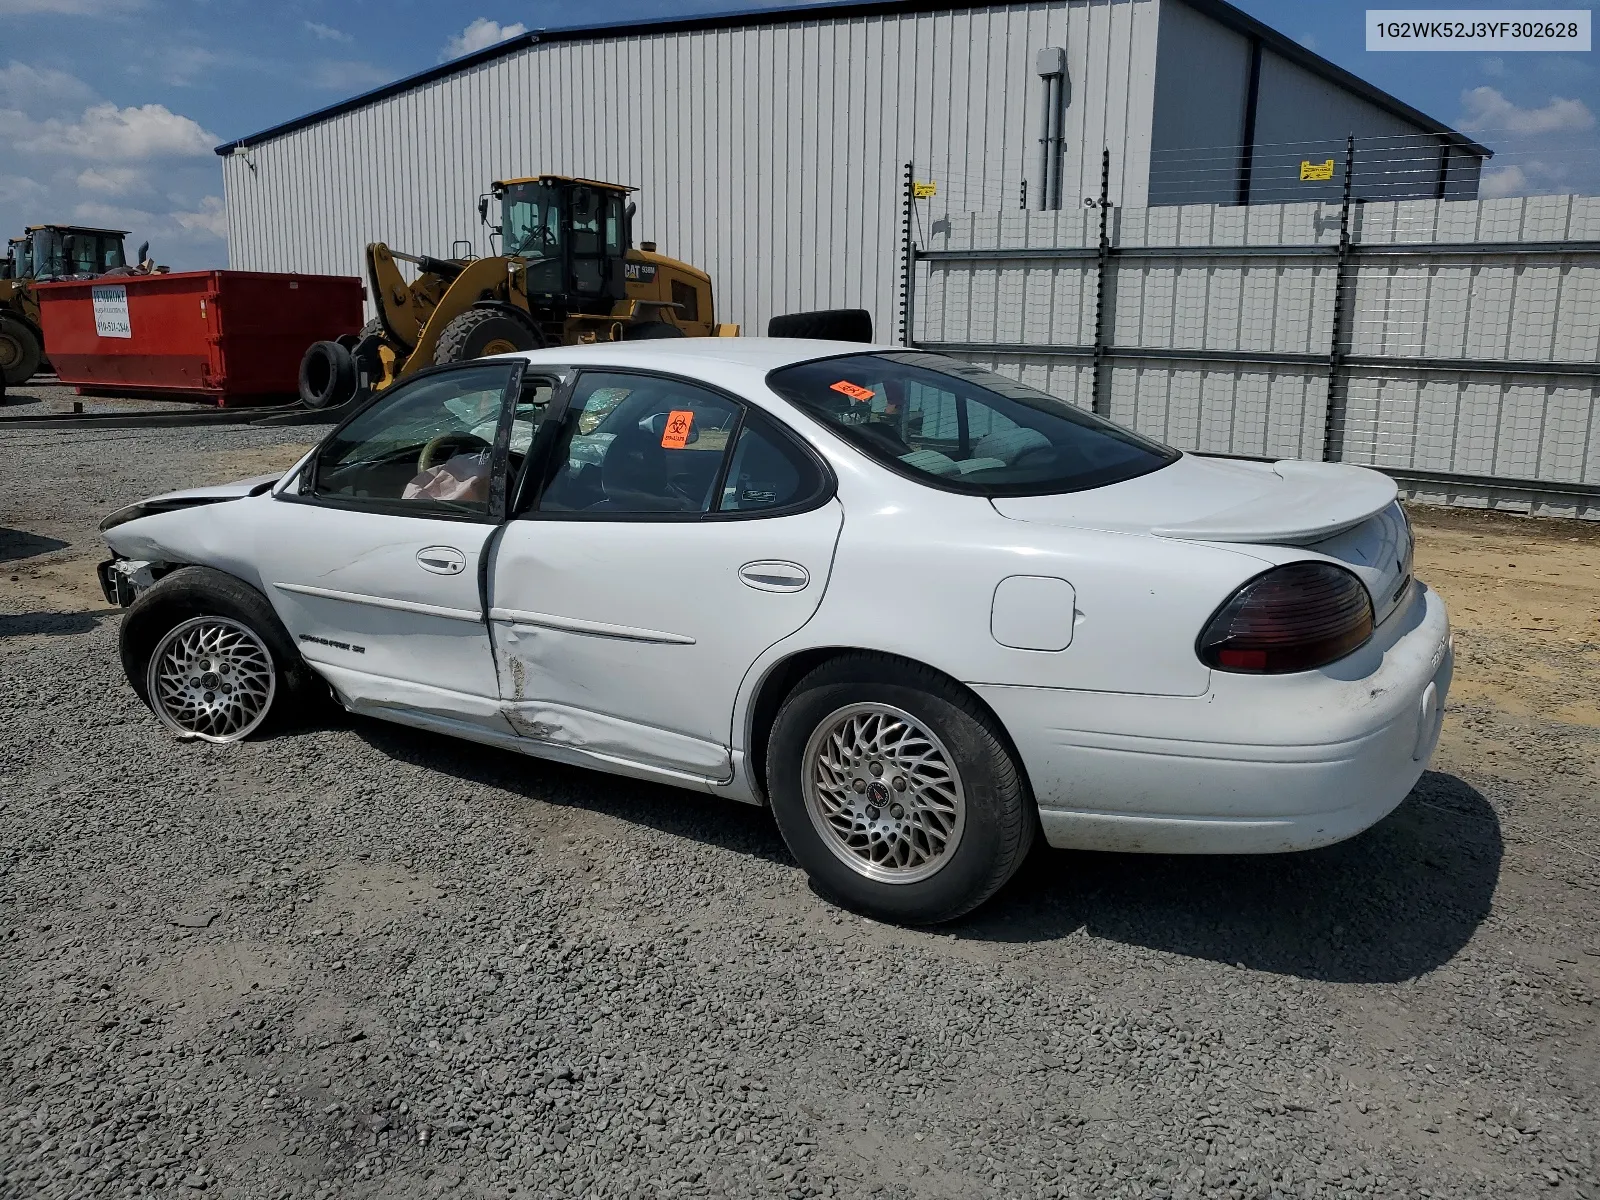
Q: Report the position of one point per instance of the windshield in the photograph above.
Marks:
(530, 221)
(962, 428)
(61, 254)
(47, 257)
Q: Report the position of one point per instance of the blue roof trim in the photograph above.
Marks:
(1218, 10)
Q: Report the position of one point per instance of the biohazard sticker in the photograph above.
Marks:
(854, 390)
(676, 435)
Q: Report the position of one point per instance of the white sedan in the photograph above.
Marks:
(923, 611)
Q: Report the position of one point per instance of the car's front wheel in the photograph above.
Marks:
(895, 790)
(209, 656)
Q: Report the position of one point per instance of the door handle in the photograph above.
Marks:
(774, 575)
(442, 560)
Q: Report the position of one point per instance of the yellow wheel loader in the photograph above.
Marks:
(44, 253)
(567, 273)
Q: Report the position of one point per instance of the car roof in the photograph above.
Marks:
(749, 353)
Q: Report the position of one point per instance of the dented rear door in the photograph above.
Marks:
(629, 639)
(680, 536)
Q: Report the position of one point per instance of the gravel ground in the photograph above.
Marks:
(360, 961)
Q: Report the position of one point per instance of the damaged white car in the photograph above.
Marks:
(922, 610)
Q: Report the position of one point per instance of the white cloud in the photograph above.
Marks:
(20, 190)
(211, 218)
(26, 87)
(480, 35)
(108, 133)
(1309, 41)
(342, 75)
(113, 181)
(1503, 181)
(1486, 108)
(326, 33)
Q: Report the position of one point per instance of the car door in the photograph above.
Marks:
(372, 555)
(679, 533)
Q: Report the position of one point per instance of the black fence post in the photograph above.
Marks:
(1097, 397)
(1332, 418)
(908, 260)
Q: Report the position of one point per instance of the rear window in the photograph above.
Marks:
(963, 428)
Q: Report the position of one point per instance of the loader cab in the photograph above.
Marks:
(71, 251)
(573, 235)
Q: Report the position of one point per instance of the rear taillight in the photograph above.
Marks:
(1293, 618)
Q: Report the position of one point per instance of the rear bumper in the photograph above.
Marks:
(1258, 765)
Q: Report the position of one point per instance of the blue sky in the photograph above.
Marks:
(109, 108)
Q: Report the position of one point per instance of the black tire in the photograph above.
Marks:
(999, 818)
(480, 331)
(830, 324)
(20, 352)
(327, 375)
(191, 592)
(644, 331)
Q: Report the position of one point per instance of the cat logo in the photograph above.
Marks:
(635, 272)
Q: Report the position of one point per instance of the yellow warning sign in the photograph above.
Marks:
(924, 191)
(1316, 171)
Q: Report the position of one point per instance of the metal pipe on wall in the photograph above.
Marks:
(1051, 66)
(1044, 144)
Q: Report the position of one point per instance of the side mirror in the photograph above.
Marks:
(483, 209)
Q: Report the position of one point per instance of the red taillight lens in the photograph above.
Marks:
(1293, 618)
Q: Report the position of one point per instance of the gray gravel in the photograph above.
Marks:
(359, 961)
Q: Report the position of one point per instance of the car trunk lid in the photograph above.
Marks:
(1345, 512)
(1221, 500)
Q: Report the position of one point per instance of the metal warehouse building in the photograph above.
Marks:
(769, 147)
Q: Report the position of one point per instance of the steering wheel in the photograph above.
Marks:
(457, 443)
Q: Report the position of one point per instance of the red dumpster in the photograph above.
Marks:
(222, 335)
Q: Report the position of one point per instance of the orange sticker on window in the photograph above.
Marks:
(676, 435)
(854, 390)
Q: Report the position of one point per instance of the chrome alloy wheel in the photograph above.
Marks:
(211, 678)
(883, 792)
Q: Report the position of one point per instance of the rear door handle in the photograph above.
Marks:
(774, 575)
(442, 560)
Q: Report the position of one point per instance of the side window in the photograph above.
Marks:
(640, 444)
(429, 443)
(767, 471)
(687, 297)
(533, 401)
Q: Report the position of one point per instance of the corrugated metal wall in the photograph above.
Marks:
(1469, 298)
(770, 155)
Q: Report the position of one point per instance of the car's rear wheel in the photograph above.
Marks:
(208, 655)
(895, 790)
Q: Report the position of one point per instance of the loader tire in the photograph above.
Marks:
(831, 324)
(483, 331)
(327, 375)
(20, 352)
